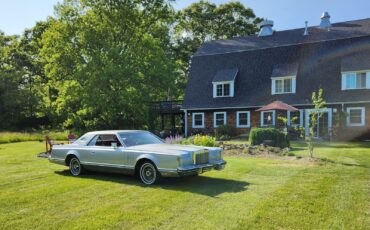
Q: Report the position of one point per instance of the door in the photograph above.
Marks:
(103, 153)
(323, 123)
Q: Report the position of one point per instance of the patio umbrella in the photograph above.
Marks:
(278, 105)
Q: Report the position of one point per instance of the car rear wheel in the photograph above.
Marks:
(75, 166)
(148, 173)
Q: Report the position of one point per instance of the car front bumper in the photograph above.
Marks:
(194, 169)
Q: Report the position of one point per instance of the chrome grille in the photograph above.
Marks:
(201, 157)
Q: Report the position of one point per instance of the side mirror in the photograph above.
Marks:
(114, 145)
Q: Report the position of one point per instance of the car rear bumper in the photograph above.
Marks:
(193, 169)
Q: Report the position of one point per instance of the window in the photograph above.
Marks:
(295, 118)
(219, 118)
(105, 140)
(268, 118)
(356, 80)
(223, 89)
(283, 85)
(139, 138)
(243, 119)
(356, 116)
(198, 120)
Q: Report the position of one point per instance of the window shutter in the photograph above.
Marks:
(273, 87)
(343, 81)
(293, 85)
(368, 80)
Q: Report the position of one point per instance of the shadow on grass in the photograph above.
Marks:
(203, 185)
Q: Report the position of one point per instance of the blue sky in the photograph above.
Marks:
(16, 15)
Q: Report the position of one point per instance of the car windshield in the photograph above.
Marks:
(139, 138)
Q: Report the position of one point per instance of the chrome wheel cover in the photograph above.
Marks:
(148, 173)
(75, 167)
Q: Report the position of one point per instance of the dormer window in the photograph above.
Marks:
(283, 78)
(223, 83)
(223, 89)
(356, 80)
(283, 85)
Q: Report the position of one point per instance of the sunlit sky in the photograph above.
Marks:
(17, 15)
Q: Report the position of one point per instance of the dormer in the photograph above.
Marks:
(356, 71)
(283, 78)
(223, 83)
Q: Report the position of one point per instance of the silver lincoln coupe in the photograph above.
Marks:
(135, 152)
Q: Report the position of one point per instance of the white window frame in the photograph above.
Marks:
(362, 117)
(214, 118)
(301, 111)
(273, 85)
(237, 119)
(273, 118)
(346, 74)
(193, 121)
(215, 84)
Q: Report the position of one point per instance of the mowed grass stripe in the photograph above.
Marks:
(251, 193)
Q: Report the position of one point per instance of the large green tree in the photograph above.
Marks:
(204, 21)
(106, 60)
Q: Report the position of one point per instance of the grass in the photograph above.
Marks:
(11, 137)
(251, 193)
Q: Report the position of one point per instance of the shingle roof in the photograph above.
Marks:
(225, 75)
(277, 105)
(284, 70)
(357, 61)
(341, 30)
(319, 66)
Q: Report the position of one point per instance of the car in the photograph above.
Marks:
(136, 152)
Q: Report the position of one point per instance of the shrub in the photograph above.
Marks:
(278, 138)
(224, 132)
(174, 139)
(204, 141)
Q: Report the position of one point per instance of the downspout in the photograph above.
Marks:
(186, 123)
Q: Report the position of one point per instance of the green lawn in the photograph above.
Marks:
(251, 193)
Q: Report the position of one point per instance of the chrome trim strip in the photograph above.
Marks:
(107, 165)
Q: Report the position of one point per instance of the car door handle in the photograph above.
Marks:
(92, 152)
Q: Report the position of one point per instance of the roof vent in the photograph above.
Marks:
(325, 21)
(306, 28)
(266, 28)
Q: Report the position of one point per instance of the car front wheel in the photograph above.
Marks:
(148, 173)
(75, 166)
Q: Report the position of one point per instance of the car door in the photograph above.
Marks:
(102, 153)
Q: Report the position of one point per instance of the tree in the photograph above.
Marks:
(203, 21)
(106, 60)
(314, 115)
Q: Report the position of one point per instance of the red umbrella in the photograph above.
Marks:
(278, 105)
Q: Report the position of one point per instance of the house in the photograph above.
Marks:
(230, 79)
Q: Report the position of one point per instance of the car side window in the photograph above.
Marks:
(105, 140)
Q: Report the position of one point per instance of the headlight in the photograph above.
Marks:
(215, 155)
(186, 159)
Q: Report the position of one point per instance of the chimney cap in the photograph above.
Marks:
(325, 15)
(266, 28)
(325, 21)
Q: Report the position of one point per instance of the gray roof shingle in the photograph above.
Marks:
(357, 61)
(225, 75)
(284, 70)
(317, 65)
(341, 30)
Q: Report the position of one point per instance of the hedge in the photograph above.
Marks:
(278, 138)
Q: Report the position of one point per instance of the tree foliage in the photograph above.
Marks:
(314, 115)
(98, 64)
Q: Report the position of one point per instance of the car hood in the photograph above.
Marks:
(167, 148)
